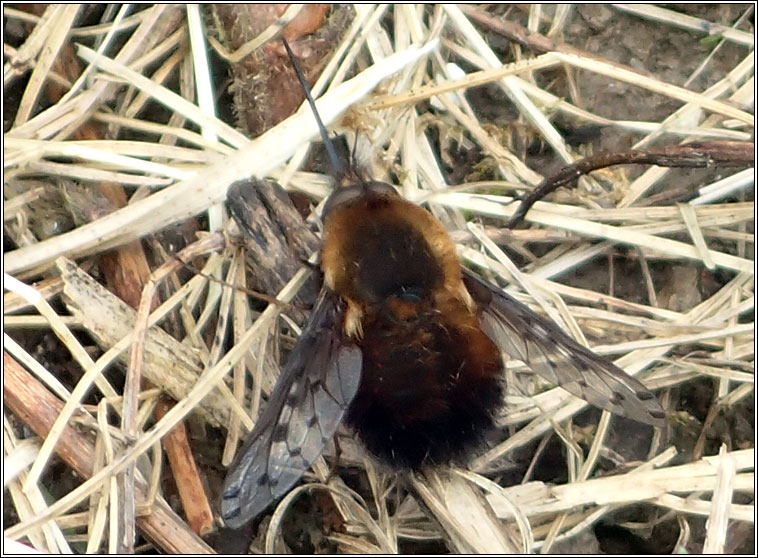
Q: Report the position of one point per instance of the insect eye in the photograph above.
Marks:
(339, 197)
(348, 194)
(380, 188)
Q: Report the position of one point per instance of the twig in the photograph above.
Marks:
(691, 155)
(194, 500)
(171, 366)
(195, 194)
(38, 408)
(524, 36)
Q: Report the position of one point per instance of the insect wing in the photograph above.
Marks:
(551, 353)
(317, 384)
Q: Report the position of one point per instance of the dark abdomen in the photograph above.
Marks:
(430, 386)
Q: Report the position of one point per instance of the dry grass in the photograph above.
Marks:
(176, 182)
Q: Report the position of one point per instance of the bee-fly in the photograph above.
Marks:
(406, 346)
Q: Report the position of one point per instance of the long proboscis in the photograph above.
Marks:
(337, 167)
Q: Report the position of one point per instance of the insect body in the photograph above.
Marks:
(406, 346)
(430, 378)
